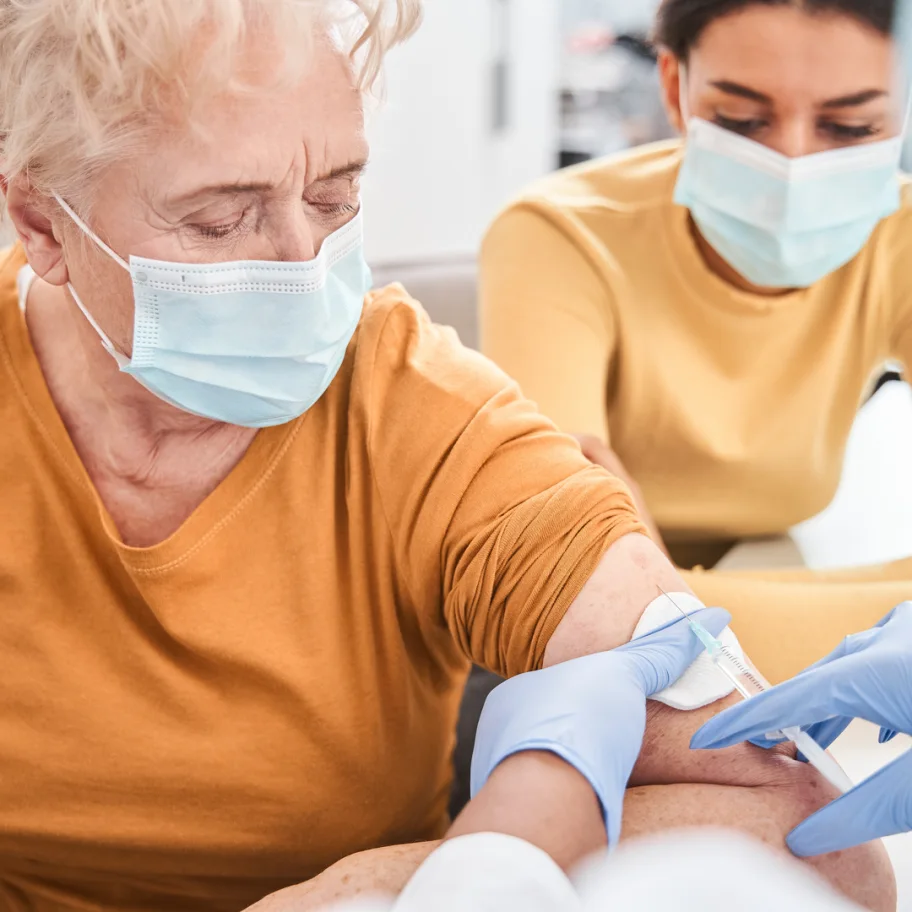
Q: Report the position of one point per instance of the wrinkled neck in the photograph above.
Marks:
(86, 383)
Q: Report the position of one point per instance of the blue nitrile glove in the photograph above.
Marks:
(590, 711)
(868, 677)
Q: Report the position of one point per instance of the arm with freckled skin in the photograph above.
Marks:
(545, 801)
(762, 793)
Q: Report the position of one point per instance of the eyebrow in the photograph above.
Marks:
(355, 169)
(854, 101)
(741, 91)
(846, 101)
(238, 188)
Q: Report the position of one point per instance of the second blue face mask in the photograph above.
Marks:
(785, 222)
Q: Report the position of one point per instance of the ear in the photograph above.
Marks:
(670, 82)
(29, 213)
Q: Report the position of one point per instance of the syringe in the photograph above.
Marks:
(748, 682)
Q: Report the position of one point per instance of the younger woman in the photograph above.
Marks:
(708, 314)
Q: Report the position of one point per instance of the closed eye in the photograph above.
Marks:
(336, 208)
(742, 127)
(849, 132)
(216, 232)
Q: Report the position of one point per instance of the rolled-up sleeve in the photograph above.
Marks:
(498, 520)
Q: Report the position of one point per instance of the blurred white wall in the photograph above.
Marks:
(621, 15)
(870, 518)
(440, 167)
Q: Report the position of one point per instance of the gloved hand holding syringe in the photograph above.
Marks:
(749, 682)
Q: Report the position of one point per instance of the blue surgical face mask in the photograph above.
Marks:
(252, 343)
(785, 222)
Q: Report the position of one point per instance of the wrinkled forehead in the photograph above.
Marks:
(268, 122)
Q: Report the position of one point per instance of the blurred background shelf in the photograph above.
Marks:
(488, 96)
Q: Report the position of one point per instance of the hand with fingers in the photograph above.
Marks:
(868, 677)
(591, 711)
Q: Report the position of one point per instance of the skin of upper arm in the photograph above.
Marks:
(763, 792)
(604, 616)
(546, 318)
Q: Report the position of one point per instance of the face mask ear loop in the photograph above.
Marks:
(105, 341)
(84, 228)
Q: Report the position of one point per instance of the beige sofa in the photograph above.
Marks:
(447, 289)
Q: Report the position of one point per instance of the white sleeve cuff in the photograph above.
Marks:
(488, 872)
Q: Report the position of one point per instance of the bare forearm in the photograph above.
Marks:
(540, 798)
(766, 813)
(378, 872)
(764, 794)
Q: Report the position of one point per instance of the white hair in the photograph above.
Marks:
(79, 78)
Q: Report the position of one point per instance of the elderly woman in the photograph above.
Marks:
(257, 521)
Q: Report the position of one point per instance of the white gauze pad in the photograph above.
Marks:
(702, 683)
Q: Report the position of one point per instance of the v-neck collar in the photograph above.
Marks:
(18, 358)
